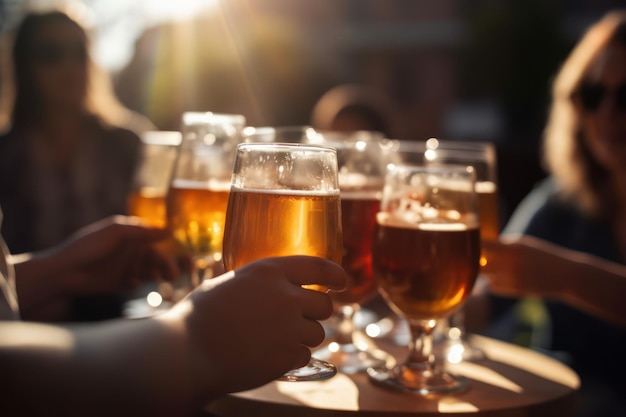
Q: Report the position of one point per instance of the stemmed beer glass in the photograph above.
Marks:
(199, 187)
(426, 256)
(284, 200)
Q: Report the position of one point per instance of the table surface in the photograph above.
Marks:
(512, 381)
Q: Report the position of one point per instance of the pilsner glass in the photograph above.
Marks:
(147, 201)
(426, 256)
(362, 157)
(199, 187)
(147, 198)
(284, 200)
(482, 157)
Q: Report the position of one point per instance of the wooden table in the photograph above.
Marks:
(513, 381)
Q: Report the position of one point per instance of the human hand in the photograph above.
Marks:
(521, 265)
(112, 255)
(249, 326)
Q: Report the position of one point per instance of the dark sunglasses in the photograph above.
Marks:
(591, 96)
(54, 53)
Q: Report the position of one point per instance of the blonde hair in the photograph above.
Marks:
(581, 178)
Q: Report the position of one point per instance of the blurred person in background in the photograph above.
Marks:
(353, 107)
(578, 214)
(69, 154)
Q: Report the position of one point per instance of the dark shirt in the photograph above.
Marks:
(592, 347)
(43, 204)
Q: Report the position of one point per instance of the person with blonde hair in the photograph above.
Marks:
(575, 219)
(71, 149)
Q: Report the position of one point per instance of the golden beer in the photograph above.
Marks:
(196, 213)
(488, 212)
(149, 204)
(425, 271)
(267, 223)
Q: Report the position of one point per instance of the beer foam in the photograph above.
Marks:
(387, 219)
(486, 187)
(212, 184)
(317, 193)
(361, 194)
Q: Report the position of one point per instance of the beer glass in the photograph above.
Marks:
(147, 198)
(482, 157)
(362, 157)
(199, 187)
(147, 201)
(284, 200)
(426, 257)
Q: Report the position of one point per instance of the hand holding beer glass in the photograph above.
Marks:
(426, 256)
(284, 200)
(199, 187)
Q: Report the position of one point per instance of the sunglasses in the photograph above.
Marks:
(592, 95)
(54, 53)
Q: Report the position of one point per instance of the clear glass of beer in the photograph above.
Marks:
(482, 157)
(147, 201)
(147, 198)
(199, 187)
(284, 200)
(426, 256)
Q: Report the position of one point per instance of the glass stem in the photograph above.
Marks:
(421, 357)
(458, 320)
(201, 270)
(345, 328)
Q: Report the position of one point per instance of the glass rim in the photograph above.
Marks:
(261, 146)
(191, 118)
(161, 137)
(417, 168)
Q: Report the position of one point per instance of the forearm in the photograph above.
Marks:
(134, 367)
(595, 286)
(41, 293)
(584, 281)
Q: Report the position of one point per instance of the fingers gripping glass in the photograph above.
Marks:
(284, 200)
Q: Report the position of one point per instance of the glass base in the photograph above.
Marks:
(425, 383)
(458, 350)
(349, 359)
(315, 370)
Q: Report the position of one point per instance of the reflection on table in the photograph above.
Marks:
(513, 381)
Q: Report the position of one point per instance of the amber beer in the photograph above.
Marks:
(149, 204)
(425, 271)
(196, 213)
(358, 219)
(266, 223)
(488, 209)
(487, 192)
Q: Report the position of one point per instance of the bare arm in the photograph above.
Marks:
(234, 332)
(106, 257)
(524, 265)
